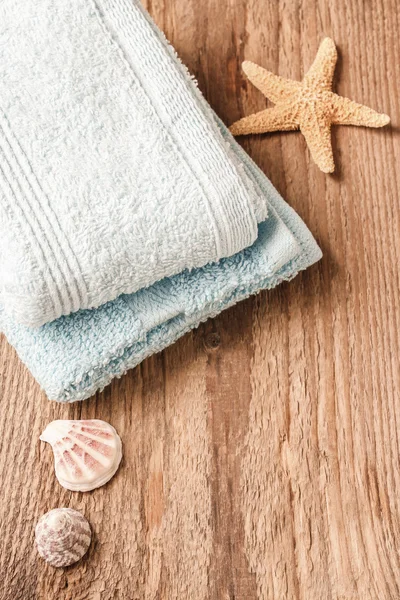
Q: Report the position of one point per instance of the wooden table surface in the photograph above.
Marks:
(261, 452)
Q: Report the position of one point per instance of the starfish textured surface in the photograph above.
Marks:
(309, 105)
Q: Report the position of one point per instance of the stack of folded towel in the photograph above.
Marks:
(128, 214)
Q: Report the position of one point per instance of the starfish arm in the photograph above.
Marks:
(270, 119)
(320, 74)
(316, 129)
(347, 112)
(275, 88)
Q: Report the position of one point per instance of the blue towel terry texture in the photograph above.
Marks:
(128, 213)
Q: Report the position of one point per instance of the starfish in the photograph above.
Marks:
(309, 105)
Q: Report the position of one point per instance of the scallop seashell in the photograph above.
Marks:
(86, 453)
(62, 536)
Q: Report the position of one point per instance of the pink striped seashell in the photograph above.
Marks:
(62, 536)
(86, 453)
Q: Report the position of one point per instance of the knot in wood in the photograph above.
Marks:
(212, 340)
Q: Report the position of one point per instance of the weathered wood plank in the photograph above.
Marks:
(261, 452)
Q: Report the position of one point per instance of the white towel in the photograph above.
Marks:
(113, 171)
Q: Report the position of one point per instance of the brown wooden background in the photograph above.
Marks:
(261, 452)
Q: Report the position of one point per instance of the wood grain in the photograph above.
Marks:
(261, 452)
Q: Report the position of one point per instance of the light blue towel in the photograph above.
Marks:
(77, 355)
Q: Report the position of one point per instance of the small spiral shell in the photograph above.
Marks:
(62, 536)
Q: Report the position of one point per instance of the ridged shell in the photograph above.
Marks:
(62, 536)
(86, 453)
